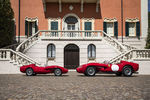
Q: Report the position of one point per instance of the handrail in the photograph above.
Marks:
(13, 46)
(10, 54)
(133, 54)
(128, 46)
(36, 34)
(100, 33)
(121, 48)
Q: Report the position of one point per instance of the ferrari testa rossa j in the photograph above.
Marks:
(32, 70)
(123, 68)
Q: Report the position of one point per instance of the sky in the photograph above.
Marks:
(149, 5)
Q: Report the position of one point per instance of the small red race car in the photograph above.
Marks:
(32, 69)
(124, 67)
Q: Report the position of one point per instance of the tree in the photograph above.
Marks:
(148, 40)
(6, 23)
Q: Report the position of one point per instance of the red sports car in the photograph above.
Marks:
(32, 69)
(124, 67)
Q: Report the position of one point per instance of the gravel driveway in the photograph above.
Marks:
(74, 86)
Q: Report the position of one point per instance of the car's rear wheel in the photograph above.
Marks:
(29, 72)
(127, 71)
(118, 73)
(57, 72)
(90, 71)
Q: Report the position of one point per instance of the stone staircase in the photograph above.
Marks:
(18, 58)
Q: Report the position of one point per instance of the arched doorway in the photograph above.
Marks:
(71, 56)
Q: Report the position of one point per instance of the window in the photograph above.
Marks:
(54, 26)
(133, 29)
(87, 26)
(91, 51)
(30, 28)
(111, 28)
(51, 51)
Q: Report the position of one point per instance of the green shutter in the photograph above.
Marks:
(105, 27)
(138, 29)
(36, 27)
(54, 25)
(30, 29)
(116, 29)
(127, 29)
(87, 26)
(26, 28)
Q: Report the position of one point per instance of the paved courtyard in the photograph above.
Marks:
(74, 86)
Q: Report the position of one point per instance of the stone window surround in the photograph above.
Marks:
(132, 20)
(54, 19)
(110, 20)
(92, 20)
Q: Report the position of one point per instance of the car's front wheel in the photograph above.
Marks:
(29, 72)
(90, 71)
(57, 72)
(127, 71)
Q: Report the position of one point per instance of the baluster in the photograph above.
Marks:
(8, 55)
(0, 55)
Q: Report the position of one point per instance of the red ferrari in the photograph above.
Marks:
(124, 67)
(32, 69)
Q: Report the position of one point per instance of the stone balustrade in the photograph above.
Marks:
(131, 55)
(16, 57)
(84, 35)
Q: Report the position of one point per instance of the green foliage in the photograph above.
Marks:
(148, 40)
(149, 19)
(6, 23)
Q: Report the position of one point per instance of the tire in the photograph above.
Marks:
(29, 72)
(57, 72)
(85, 74)
(34, 74)
(90, 71)
(127, 71)
(118, 73)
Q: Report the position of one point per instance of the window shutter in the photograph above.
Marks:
(36, 27)
(30, 29)
(105, 27)
(116, 29)
(26, 28)
(138, 29)
(127, 29)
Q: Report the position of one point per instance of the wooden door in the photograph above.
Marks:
(71, 57)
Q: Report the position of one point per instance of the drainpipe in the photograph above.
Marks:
(19, 23)
(122, 20)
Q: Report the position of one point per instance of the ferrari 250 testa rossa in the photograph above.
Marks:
(123, 68)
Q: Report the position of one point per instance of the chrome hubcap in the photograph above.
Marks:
(91, 71)
(128, 71)
(29, 72)
(57, 71)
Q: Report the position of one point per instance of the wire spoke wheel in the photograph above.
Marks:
(127, 71)
(57, 72)
(29, 72)
(90, 71)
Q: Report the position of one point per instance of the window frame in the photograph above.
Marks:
(91, 48)
(132, 35)
(113, 34)
(52, 51)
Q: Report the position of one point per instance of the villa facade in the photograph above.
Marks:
(73, 29)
